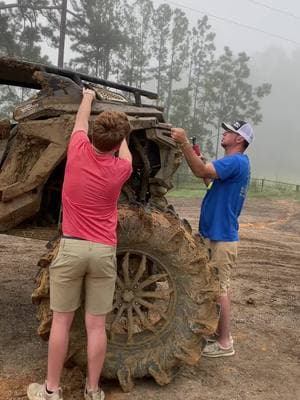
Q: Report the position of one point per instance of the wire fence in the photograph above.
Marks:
(268, 185)
(186, 180)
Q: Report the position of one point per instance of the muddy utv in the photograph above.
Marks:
(165, 291)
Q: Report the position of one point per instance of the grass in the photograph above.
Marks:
(267, 194)
(187, 193)
(276, 195)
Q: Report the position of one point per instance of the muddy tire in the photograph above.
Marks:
(165, 300)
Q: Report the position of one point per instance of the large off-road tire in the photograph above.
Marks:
(165, 300)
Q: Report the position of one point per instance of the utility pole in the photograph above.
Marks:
(62, 34)
(63, 21)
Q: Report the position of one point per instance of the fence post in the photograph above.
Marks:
(262, 184)
(297, 188)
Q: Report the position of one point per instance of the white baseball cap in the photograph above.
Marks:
(242, 128)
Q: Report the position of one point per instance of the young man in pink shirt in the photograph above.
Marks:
(93, 180)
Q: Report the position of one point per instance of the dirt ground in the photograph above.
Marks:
(266, 323)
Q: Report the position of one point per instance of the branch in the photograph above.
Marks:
(7, 6)
(3, 7)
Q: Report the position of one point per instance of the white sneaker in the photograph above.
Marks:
(93, 395)
(37, 391)
(214, 349)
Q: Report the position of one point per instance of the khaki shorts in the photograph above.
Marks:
(81, 262)
(223, 256)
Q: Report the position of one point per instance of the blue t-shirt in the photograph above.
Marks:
(222, 204)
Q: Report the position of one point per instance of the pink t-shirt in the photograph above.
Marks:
(91, 188)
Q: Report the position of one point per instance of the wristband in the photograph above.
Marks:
(182, 145)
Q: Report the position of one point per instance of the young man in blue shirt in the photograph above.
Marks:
(220, 210)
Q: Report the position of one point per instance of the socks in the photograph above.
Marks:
(49, 391)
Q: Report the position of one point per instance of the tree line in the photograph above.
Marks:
(139, 44)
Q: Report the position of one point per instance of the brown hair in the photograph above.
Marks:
(110, 128)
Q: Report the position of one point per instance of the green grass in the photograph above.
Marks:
(267, 194)
(187, 193)
(276, 195)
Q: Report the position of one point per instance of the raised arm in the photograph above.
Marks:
(124, 151)
(199, 168)
(84, 111)
(207, 181)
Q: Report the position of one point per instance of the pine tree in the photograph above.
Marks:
(8, 33)
(145, 27)
(128, 61)
(20, 37)
(181, 107)
(178, 54)
(97, 34)
(161, 36)
(233, 96)
(135, 59)
(201, 61)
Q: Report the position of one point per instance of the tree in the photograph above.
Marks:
(134, 62)
(8, 45)
(201, 61)
(233, 96)
(128, 60)
(161, 35)
(178, 54)
(191, 106)
(146, 11)
(20, 31)
(181, 108)
(98, 36)
(20, 38)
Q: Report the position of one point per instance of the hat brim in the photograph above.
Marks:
(228, 127)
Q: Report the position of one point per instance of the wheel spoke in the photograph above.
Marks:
(125, 268)
(141, 270)
(119, 283)
(142, 298)
(152, 306)
(151, 279)
(115, 305)
(143, 319)
(160, 294)
(129, 324)
(118, 316)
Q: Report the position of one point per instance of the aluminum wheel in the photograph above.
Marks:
(144, 298)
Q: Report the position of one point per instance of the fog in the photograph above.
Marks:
(275, 151)
(269, 32)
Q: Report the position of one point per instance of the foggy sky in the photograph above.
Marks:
(245, 12)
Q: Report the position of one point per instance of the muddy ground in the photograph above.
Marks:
(266, 318)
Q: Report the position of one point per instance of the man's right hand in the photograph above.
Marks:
(89, 92)
(84, 111)
(179, 135)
